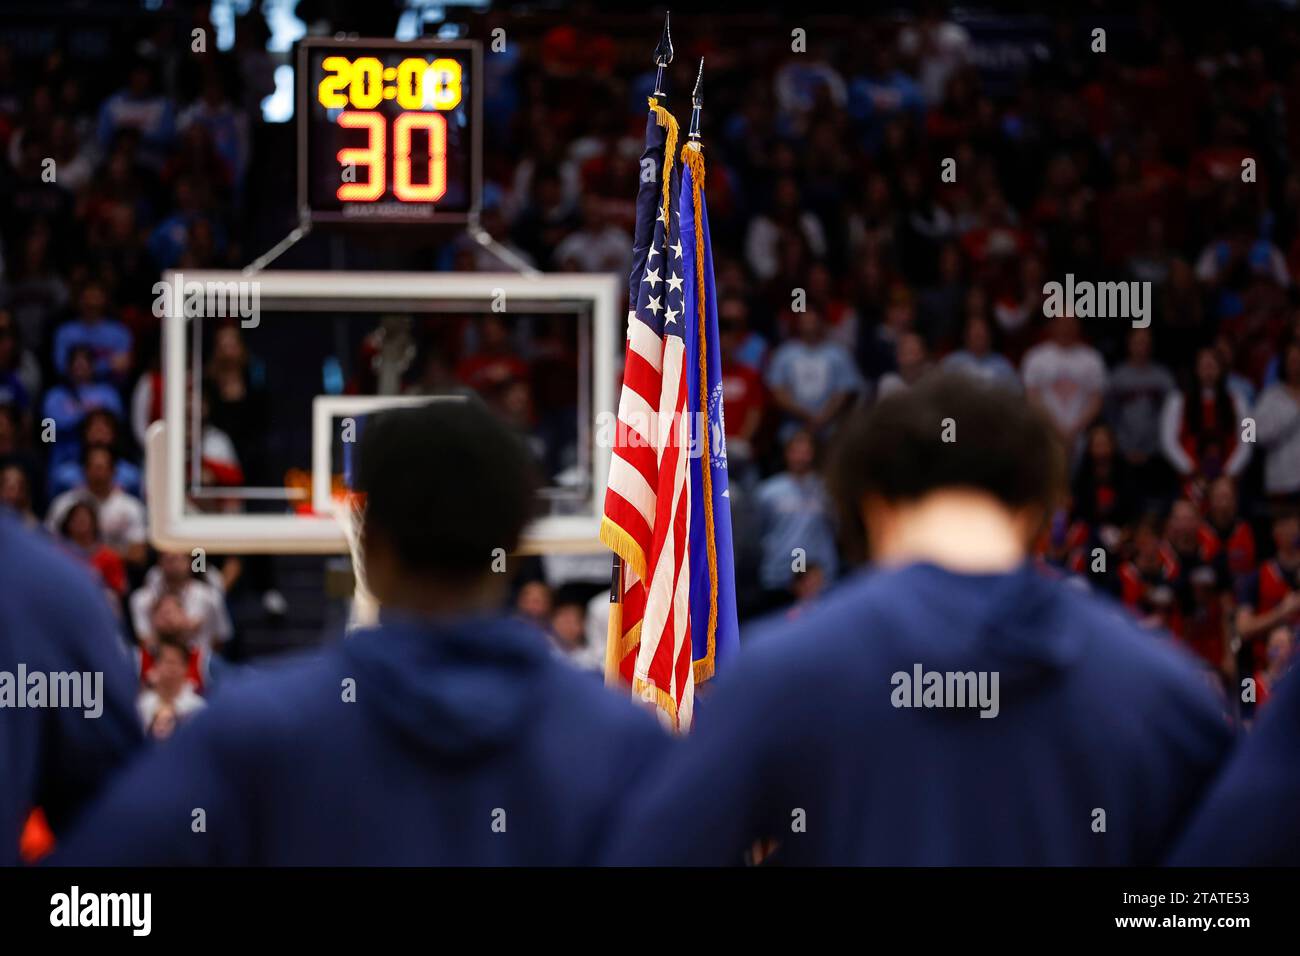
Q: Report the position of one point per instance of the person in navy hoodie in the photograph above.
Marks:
(1249, 817)
(54, 620)
(447, 734)
(952, 705)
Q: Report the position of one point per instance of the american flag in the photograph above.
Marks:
(647, 503)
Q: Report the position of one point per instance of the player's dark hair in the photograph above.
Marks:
(446, 484)
(950, 430)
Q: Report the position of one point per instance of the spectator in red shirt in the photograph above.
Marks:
(1203, 587)
(170, 696)
(1205, 614)
(494, 362)
(167, 618)
(1224, 532)
(745, 399)
(1063, 543)
(79, 529)
(1200, 427)
(1271, 596)
(1278, 656)
(174, 600)
(1104, 492)
(1149, 580)
(1183, 535)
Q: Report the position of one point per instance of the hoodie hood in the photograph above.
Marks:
(973, 620)
(458, 687)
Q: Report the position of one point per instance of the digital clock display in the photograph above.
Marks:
(388, 130)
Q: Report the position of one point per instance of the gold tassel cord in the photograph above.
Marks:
(669, 123)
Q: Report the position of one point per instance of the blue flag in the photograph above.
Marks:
(715, 632)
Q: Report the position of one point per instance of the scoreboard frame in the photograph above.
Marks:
(303, 87)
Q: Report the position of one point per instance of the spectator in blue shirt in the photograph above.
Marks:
(14, 367)
(883, 93)
(812, 378)
(99, 428)
(795, 515)
(188, 229)
(109, 341)
(226, 126)
(68, 404)
(978, 357)
(138, 108)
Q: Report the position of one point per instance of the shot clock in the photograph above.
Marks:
(388, 131)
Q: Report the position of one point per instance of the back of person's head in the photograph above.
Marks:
(949, 432)
(446, 485)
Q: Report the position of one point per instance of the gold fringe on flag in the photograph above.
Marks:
(663, 700)
(693, 158)
(624, 545)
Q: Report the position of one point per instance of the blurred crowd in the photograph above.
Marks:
(848, 267)
(109, 177)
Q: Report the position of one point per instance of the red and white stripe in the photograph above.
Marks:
(649, 498)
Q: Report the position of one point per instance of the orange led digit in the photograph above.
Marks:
(373, 156)
(435, 159)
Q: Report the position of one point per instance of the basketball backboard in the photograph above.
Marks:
(300, 329)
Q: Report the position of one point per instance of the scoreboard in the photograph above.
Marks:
(388, 130)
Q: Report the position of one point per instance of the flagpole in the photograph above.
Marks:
(697, 103)
(663, 55)
(614, 633)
